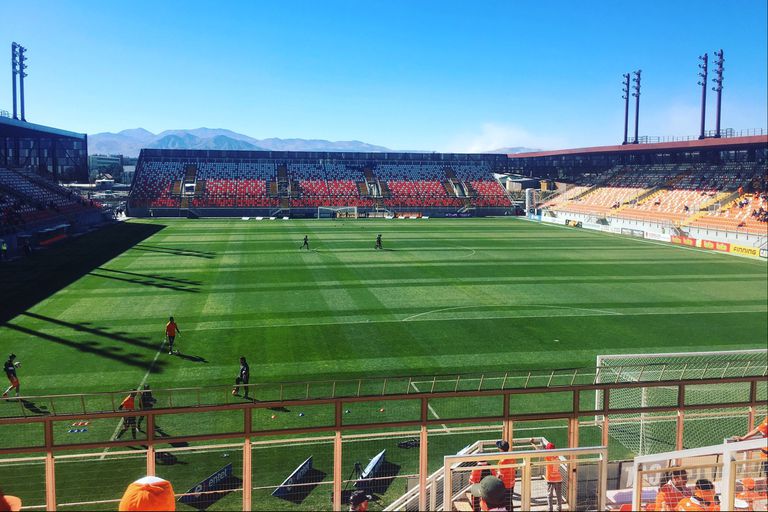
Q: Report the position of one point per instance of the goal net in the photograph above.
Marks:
(650, 432)
(337, 212)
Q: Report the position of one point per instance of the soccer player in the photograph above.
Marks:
(306, 243)
(147, 402)
(242, 378)
(10, 371)
(378, 242)
(171, 329)
(128, 404)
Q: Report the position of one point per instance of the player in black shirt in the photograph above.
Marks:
(306, 243)
(242, 378)
(10, 371)
(378, 242)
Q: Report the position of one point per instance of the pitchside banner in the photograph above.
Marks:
(746, 251)
(294, 478)
(683, 240)
(371, 469)
(716, 246)
(197, 496)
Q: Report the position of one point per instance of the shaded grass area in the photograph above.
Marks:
(27, 281)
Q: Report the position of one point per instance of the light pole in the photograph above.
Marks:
(625, 97)
(636, 94)
(703, 83)
(718, 88)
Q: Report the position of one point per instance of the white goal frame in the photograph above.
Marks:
(645, 363)
(337, 209)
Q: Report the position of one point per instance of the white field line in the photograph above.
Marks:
(602, 311)
(499, 317)
(141, 385)
(431, 409)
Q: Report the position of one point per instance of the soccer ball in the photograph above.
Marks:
(17, 364)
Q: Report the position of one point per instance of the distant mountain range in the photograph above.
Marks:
(130, 142)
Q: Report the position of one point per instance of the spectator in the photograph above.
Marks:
(148, 493)
(554, 480)
(3, 250)
(490, 491)
(358, 501)
(475, 477)
(703, 498)
(507, 475)
(672, 491)
(9, 503)
(748, 493)
(760, 430)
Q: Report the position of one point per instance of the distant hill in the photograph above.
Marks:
(130, 142)
(512, 151)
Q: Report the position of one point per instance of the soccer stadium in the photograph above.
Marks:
(582, 328)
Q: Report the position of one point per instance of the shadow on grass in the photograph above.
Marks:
(194, 359)
(29, 281)
(144, 282)
(297, 493)
(93, 347)
(379, 485)
(174, 251)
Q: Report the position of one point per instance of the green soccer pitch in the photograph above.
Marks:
(444, 296)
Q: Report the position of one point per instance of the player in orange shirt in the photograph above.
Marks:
(128, 404)
(673, 491)
(554, 480)
(507, 475)
(761, 429)
(703, 499)
(171, 329)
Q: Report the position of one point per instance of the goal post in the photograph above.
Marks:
(649, 432)
(337, 212)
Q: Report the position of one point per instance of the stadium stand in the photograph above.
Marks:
(692, 194)
(27, 199)
(228, 180)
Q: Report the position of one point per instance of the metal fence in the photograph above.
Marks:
(52, 446)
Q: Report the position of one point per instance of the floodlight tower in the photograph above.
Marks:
(22, 75)
(703, 83)
(718, 88)
(636, 94)
(625, 97)
(14, 71)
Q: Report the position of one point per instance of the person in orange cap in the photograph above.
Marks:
(149, 493)
(9, 503)
(508, 475)
(554, 480)
(703, 499)
(748, 493)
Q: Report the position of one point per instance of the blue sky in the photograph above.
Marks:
(416, 74)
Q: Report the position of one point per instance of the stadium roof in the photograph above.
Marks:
(721, 143)
(15, 128)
